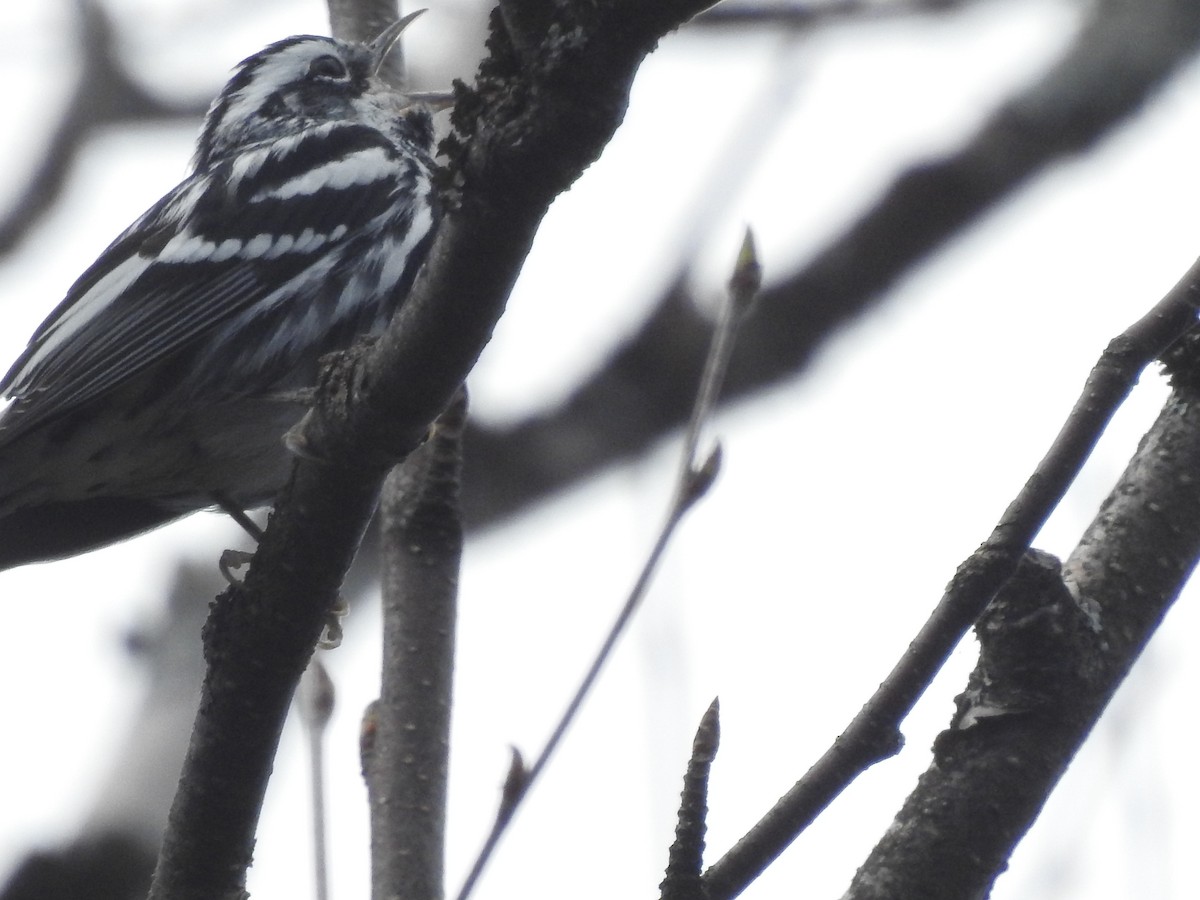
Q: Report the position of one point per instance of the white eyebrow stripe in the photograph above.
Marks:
(274, 74)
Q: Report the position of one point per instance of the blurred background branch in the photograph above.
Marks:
(103, 95)
(1122, 53)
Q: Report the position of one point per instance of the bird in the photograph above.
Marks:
(164, 381)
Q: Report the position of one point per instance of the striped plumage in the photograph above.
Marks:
(161, 382)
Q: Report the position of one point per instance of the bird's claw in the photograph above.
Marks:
(230, 561)
(297, 443)
(331, 635)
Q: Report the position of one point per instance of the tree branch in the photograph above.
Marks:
(643, 391)
(527, 131)
(103, 93)
(798, 16)
(695, 476)
(406, 773)
(1053, 650)
(874, 734)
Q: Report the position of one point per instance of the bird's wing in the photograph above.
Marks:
(240, 234)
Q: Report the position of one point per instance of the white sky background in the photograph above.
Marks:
(846, 502)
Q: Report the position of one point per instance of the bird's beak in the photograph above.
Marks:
(387, 38)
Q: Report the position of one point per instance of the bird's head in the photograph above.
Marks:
(304, 80)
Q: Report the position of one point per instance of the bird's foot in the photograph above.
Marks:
(230, 562)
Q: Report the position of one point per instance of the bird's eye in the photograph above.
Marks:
(327, 67)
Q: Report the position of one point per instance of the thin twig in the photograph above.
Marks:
(743, 288)
(1121, 56)
(682, 881)
(316, 700)
(874, 733)
(807, 16)
(693, 481)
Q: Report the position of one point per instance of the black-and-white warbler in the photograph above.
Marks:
(165, 380)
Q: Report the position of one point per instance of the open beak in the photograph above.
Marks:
(386, 39)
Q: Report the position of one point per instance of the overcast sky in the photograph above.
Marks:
(847, 499)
